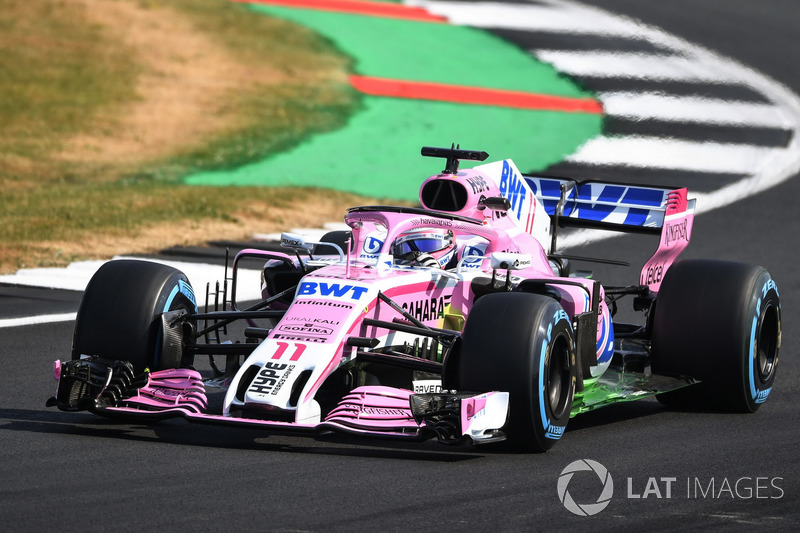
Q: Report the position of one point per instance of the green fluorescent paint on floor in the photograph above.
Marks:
(377, 153)
(420, 51)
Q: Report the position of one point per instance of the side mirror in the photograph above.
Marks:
(510, 261)
(495, 203)
(297, 242)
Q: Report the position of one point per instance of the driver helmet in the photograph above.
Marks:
(432, 248)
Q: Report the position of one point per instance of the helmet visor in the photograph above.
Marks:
(422, 242)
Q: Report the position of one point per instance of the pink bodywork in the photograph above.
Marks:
(375, 407)
(331, 303)
(675, 235)
(175, 388)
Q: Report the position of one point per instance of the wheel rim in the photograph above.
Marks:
(558, 377)
(767, 343)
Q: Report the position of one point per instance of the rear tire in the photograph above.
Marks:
(119, 315)
(523, 344)
(719, 322)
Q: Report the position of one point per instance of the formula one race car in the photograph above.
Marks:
(458, 321)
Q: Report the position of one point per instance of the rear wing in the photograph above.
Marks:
(663, 211)
(603, 204)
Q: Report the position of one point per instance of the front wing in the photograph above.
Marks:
(109, 388)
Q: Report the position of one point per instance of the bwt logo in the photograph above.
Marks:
(513, 188)
(335, 290)
(585, 509)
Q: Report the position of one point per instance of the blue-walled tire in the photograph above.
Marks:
(522, 344)
(119, 314)
(718, 322)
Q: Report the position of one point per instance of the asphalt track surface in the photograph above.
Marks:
(69, 472)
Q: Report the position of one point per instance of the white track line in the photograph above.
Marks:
(32, 320)
(633, 66)
(566, 18)
(658, 152)
(643, 106)
(77, 275)
(72, 278)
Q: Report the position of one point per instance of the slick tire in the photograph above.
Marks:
(718, 322)
(522, 344)
(120, 314)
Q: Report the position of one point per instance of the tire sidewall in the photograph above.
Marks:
(176, 294)
(764, 307)
(548, 353)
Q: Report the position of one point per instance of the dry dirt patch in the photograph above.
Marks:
(182, 87)
(204, 77)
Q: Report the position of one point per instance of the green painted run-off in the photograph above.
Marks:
(377, 153)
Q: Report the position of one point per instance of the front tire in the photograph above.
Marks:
(119, 314)
(523, 344)
(719, 322)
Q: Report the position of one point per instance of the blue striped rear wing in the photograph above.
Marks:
(605, 205)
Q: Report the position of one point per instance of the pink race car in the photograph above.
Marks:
(457, 320)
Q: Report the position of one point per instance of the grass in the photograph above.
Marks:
(81, 176)
(56, 72)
